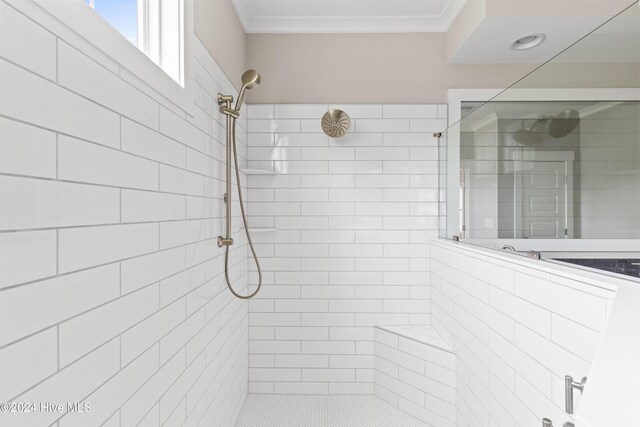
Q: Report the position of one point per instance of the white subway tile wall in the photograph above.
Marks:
(415, 371)
(352, 219)
(516, 332)
(111, 284)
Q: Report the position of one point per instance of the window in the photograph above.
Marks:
(156, 27)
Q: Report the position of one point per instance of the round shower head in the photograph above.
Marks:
(335, 123)
(250, 79)
(564, 123)
(529, 136)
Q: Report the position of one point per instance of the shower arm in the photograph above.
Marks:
(225, 107)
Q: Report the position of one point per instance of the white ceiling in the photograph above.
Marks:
(347, 16)
(490, 42)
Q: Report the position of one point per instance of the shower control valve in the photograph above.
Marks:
(569, 386)
(224, 241)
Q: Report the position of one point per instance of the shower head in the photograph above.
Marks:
(250, 79)
(529, 136)
(564, 123)
(560, 126)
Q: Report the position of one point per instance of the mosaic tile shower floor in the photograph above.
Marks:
(269, 410)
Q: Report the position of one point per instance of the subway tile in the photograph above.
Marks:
(85, 247)
(355, 250)
(329, 209)
(82, 161)
(586, 309)
(410, 195)
(301, 388)
(331, 153)
(35, 203)
(274, 125)
(302, 250)
(299, 111)
(301, 333)
(141, 271)
(355, 195)
(382, 181)
(173, 180)
(419, 167)
(382, 125)
(428, 125)
(360, 111)
(276, 181)
(310, 125)
(407, 111)
(353, 139)
(27, 256)
(409, 140)
(355, 167)
(327, 236)
(134, 410)
(327, 264)
(274, 347)
(306, 167)
(382, 153)
(72, 384)
(27, 44)
(410, 223)
(142, 206)
(355, 306)
(143, 335)
(79, 73)
(82, 334)
(306, 195)
(355, 222)
(328, 181)
(175, 127)
(328, 347)
(36, 306)
(301, 306)
(30, 98)
(178, 285)
(258, 111)
(327, 319)
(28, 362)
(27, 150)
(145, 142)
(381, 236)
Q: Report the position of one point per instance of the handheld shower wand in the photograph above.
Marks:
(250, 79)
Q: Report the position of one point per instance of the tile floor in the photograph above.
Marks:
(269, 410)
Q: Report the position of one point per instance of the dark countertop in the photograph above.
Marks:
(626, 266)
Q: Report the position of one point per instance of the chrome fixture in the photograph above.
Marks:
(533, 255)
(569, 386)
(528, 42)
(336, 123)
(508, 248)
(546, 422)
(560, 126)
(250, 79)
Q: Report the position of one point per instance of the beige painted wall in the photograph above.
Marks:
(364, 68)
(218, 27)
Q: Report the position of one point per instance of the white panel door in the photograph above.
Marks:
(543, 199)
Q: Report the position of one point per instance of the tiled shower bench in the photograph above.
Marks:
(415, 372)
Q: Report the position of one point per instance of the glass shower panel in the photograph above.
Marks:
(555, 156)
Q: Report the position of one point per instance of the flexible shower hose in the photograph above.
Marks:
(244, 221)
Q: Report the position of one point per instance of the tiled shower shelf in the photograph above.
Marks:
(422, 333)
(261, 230)
(251, 171)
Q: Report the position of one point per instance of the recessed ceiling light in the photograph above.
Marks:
(527, 42)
